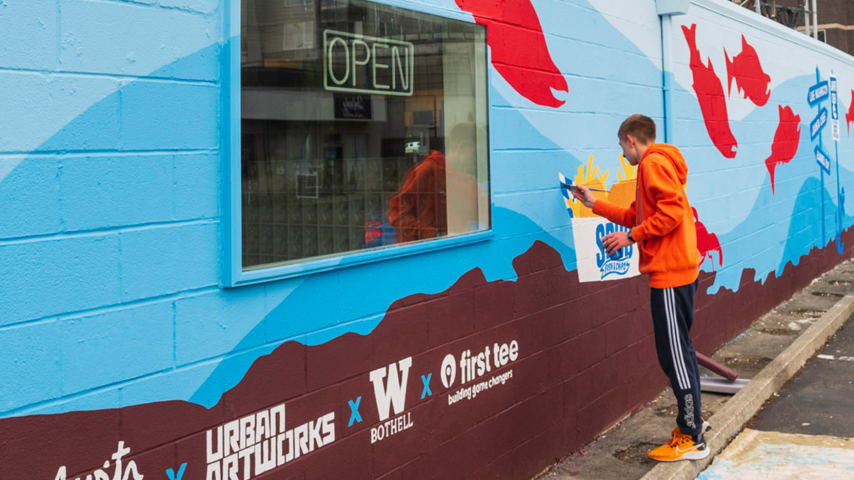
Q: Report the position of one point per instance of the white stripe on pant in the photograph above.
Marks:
(675, 345)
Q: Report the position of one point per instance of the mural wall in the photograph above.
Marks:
(126, 357)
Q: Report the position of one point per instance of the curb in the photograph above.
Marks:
(735, 413)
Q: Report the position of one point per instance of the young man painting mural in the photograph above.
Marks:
(662, 223)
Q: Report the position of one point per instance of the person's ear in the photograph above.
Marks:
(631, 140)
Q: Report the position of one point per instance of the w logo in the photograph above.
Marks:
(392, 391)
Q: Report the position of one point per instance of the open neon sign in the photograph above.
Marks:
(359, 63)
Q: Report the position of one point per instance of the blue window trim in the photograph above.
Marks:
(233, 273)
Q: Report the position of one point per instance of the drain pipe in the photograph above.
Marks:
(815, 19)
(758, 6)
(807, 29)
(666, 9)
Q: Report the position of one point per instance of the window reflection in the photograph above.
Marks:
(347, 148)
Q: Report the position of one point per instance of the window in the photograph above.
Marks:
(363, 126)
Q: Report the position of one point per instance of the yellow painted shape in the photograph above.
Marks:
(589, 177)
(621, 193)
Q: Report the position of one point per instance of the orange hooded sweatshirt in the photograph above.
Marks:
(661, 219)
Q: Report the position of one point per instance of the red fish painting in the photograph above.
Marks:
(786, 140)
(707, 242)
(747, 72)
(710, 94)
(849, 117)
(519, 51)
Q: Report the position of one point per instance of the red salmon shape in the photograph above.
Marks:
(786, 140)
(519, 51)
(748, 74)
(710, 95)
(707, 242)
(849, 117)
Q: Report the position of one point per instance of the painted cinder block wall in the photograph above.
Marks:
(120, 339)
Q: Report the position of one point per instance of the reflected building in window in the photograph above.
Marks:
(348, 109)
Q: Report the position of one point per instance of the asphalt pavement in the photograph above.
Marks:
(820, 399)
(806, 430)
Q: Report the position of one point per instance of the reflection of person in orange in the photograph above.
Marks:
(419, 210)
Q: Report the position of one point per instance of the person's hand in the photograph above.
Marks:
(584, 195)
(616, 241)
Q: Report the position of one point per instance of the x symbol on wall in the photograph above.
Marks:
(354, 411)
(426, 390)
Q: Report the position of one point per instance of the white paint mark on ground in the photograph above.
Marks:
(783, 456)
(831, 357)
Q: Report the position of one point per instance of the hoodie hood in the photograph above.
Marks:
(673, 154)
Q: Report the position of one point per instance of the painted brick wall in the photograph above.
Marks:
(112, 191)
(117, 332)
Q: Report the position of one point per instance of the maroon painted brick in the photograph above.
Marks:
(411, 300)
(619, 333)
(549, 377)
(469, 412)
(579, 317)
(503, 433)
(458, 308)
(320, 402)
(409, 327)
(595, 417)
(532, 375)
(355, 459)
(192, 450)
(522, 263)
(553, 287)
(592, 346)
(557, 279)
(151, 463)
(89, 439)
(626, 361)
(287, 361)
(546, 257)
(565, 359)
(281, 473)
(396, 474)
(550, 327)
(421, 467)
(404, 447)
(446, 460)
(587, 389)
(324, 366)
(529, 294)
(529, 455)
(339, 395)
(521, 462)
(494, 304)
(606, 371)
(139, 432)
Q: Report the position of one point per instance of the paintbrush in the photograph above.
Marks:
(591, 189)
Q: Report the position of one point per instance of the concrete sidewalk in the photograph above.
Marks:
(770, 352)
(805, 430)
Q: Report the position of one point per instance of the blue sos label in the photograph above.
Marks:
(617, 263)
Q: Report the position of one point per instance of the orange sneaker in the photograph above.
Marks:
(680, 447)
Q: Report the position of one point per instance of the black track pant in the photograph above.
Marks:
(672, 316)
